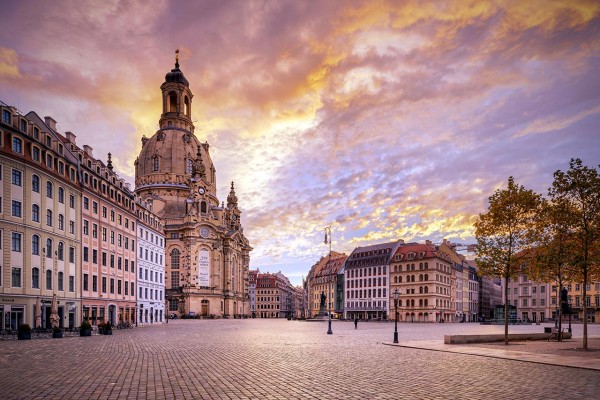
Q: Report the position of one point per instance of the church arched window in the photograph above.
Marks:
(188, 166)
(172, 102)
(155, 163)
(175, 259)
(186, 106)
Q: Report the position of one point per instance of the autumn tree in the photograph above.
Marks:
(505, 233)
(579, 188)
(552, 256)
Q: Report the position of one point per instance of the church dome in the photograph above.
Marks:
(167, 160)
(176, 76)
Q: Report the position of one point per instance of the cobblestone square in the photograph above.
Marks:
(274, 359)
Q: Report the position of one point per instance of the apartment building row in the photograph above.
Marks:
(72, 230)
(539, 301)
(273, 296)
(433, 284)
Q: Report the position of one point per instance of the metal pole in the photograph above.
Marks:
(396, 321)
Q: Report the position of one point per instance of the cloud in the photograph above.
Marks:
(382, 119)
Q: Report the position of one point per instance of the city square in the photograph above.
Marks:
(280, 359)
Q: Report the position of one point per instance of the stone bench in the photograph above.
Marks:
(464, 339)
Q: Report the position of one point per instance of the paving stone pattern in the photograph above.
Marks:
(270, 359)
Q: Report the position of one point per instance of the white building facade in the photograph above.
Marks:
(151, 266)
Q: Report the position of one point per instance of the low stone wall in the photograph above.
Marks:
(464, 339)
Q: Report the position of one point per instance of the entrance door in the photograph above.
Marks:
(204, 308)
(16, 318)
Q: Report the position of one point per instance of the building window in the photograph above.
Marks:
(35, 153)
(6, 117)
(35, 278)
(188, 166)
(61, 195)
(35, 183)
(175, 259)
(71, 283)
(16, 209)
(61, 251)
(48, 280)
(175, 279)
(49, 217)
(94, 283)
(49, 190)
(48, 247)
(16, 177)
(16, 277)
(35, 245)
(72, 255)
(16, 242)
(86, 282)
(61, 222)
(17, 147)
(71, 201)
(103, 284)
(61, 278)
(155, 163)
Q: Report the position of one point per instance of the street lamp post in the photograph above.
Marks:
(396, 294)
(328, 232)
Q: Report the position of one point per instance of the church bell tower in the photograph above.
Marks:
(177, 100)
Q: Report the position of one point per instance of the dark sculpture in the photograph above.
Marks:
(323, 297)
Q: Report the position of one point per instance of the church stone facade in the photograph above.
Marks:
(207, 254)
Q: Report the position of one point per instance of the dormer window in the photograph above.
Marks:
(48, 141)
(17, 145)
(36, 133)
(23, 126)
(6, 117)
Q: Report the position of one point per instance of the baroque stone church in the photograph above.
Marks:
(207, 254)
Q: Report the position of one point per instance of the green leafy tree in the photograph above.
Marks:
(551, 259)
(504, 234)
(579, 188)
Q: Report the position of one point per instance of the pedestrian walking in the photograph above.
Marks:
(355, 322)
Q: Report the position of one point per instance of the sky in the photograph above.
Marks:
(384, 120)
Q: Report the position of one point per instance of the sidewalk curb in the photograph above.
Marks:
(538, 358)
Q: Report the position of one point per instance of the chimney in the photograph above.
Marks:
(88, 150)
(71, 137)
(50, 122)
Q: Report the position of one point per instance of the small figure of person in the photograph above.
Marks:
(355, 322)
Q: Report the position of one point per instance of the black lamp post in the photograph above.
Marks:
(570, 331)
(396, 294)
(328, 240)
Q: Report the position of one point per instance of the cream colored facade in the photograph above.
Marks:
(39, 223)
(207, 254)
(423, 275)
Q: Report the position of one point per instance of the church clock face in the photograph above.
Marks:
(201, 190)
(204, 232)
